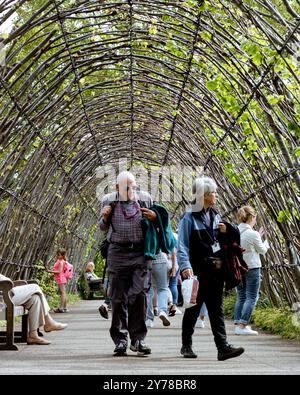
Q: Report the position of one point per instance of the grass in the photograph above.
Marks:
(280, 321)
(54, 301)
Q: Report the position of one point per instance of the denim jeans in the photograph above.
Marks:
(203, 311)
(173, 287)
(160, 282)
(247, 296)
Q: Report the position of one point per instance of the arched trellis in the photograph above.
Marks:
(196, 83)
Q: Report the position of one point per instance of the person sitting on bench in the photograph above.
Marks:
(92, 278)
(31, 297)
(89, 274)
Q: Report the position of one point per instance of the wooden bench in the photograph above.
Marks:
(94, 286)
(9, 337)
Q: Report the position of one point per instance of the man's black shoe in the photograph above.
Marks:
(140, 347)
(103, 311)
(229, 352)
(187, 352)
(120, 350)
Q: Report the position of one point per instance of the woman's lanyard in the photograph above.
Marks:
(211, 232)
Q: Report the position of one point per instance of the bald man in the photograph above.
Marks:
(121, 216)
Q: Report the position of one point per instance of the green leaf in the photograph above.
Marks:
(280, 65)
(257, 59)
(284, 216)
(203, 6)
(297, 152)
(175, 113)
(293, 127)
(212, 85)
(153, 30)
(206, 36)
(273, 100)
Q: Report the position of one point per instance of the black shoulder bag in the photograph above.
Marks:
(104, 245)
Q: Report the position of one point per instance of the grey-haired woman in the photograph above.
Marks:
(201, 252)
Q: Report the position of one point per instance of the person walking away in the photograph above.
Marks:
(248, 290)
(201, 320)
(173, 280)
(159, 275)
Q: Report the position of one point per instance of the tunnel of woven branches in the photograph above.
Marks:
(84, 85)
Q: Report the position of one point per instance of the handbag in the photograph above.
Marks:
(104, 245)
(189, 291)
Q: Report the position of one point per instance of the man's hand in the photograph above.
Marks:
(188, 273)
(149, 214)
(105, 213)
(222, 227)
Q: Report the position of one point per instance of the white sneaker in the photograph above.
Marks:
(245, 331)
(149, 323)
(200, 324)
(165, 320)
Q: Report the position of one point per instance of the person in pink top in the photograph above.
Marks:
(59, 270)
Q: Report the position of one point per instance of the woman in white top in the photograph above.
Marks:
(248, 290)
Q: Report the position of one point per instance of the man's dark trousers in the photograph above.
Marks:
(129, 279)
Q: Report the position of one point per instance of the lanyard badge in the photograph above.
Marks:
(216, 247)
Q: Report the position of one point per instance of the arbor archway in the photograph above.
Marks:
(197, 83)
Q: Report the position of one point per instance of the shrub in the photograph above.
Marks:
(46, 281)
(82, 287)
(279, 321)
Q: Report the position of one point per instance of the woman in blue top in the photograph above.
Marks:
(201, 237)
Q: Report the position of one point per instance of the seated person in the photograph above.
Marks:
(32, 298)
(91, 277)
(89, 274)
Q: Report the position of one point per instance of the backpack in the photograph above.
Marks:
(69, 271)
(104, 245)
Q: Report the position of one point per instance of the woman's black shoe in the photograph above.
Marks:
(229, 352)
(187, 352)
